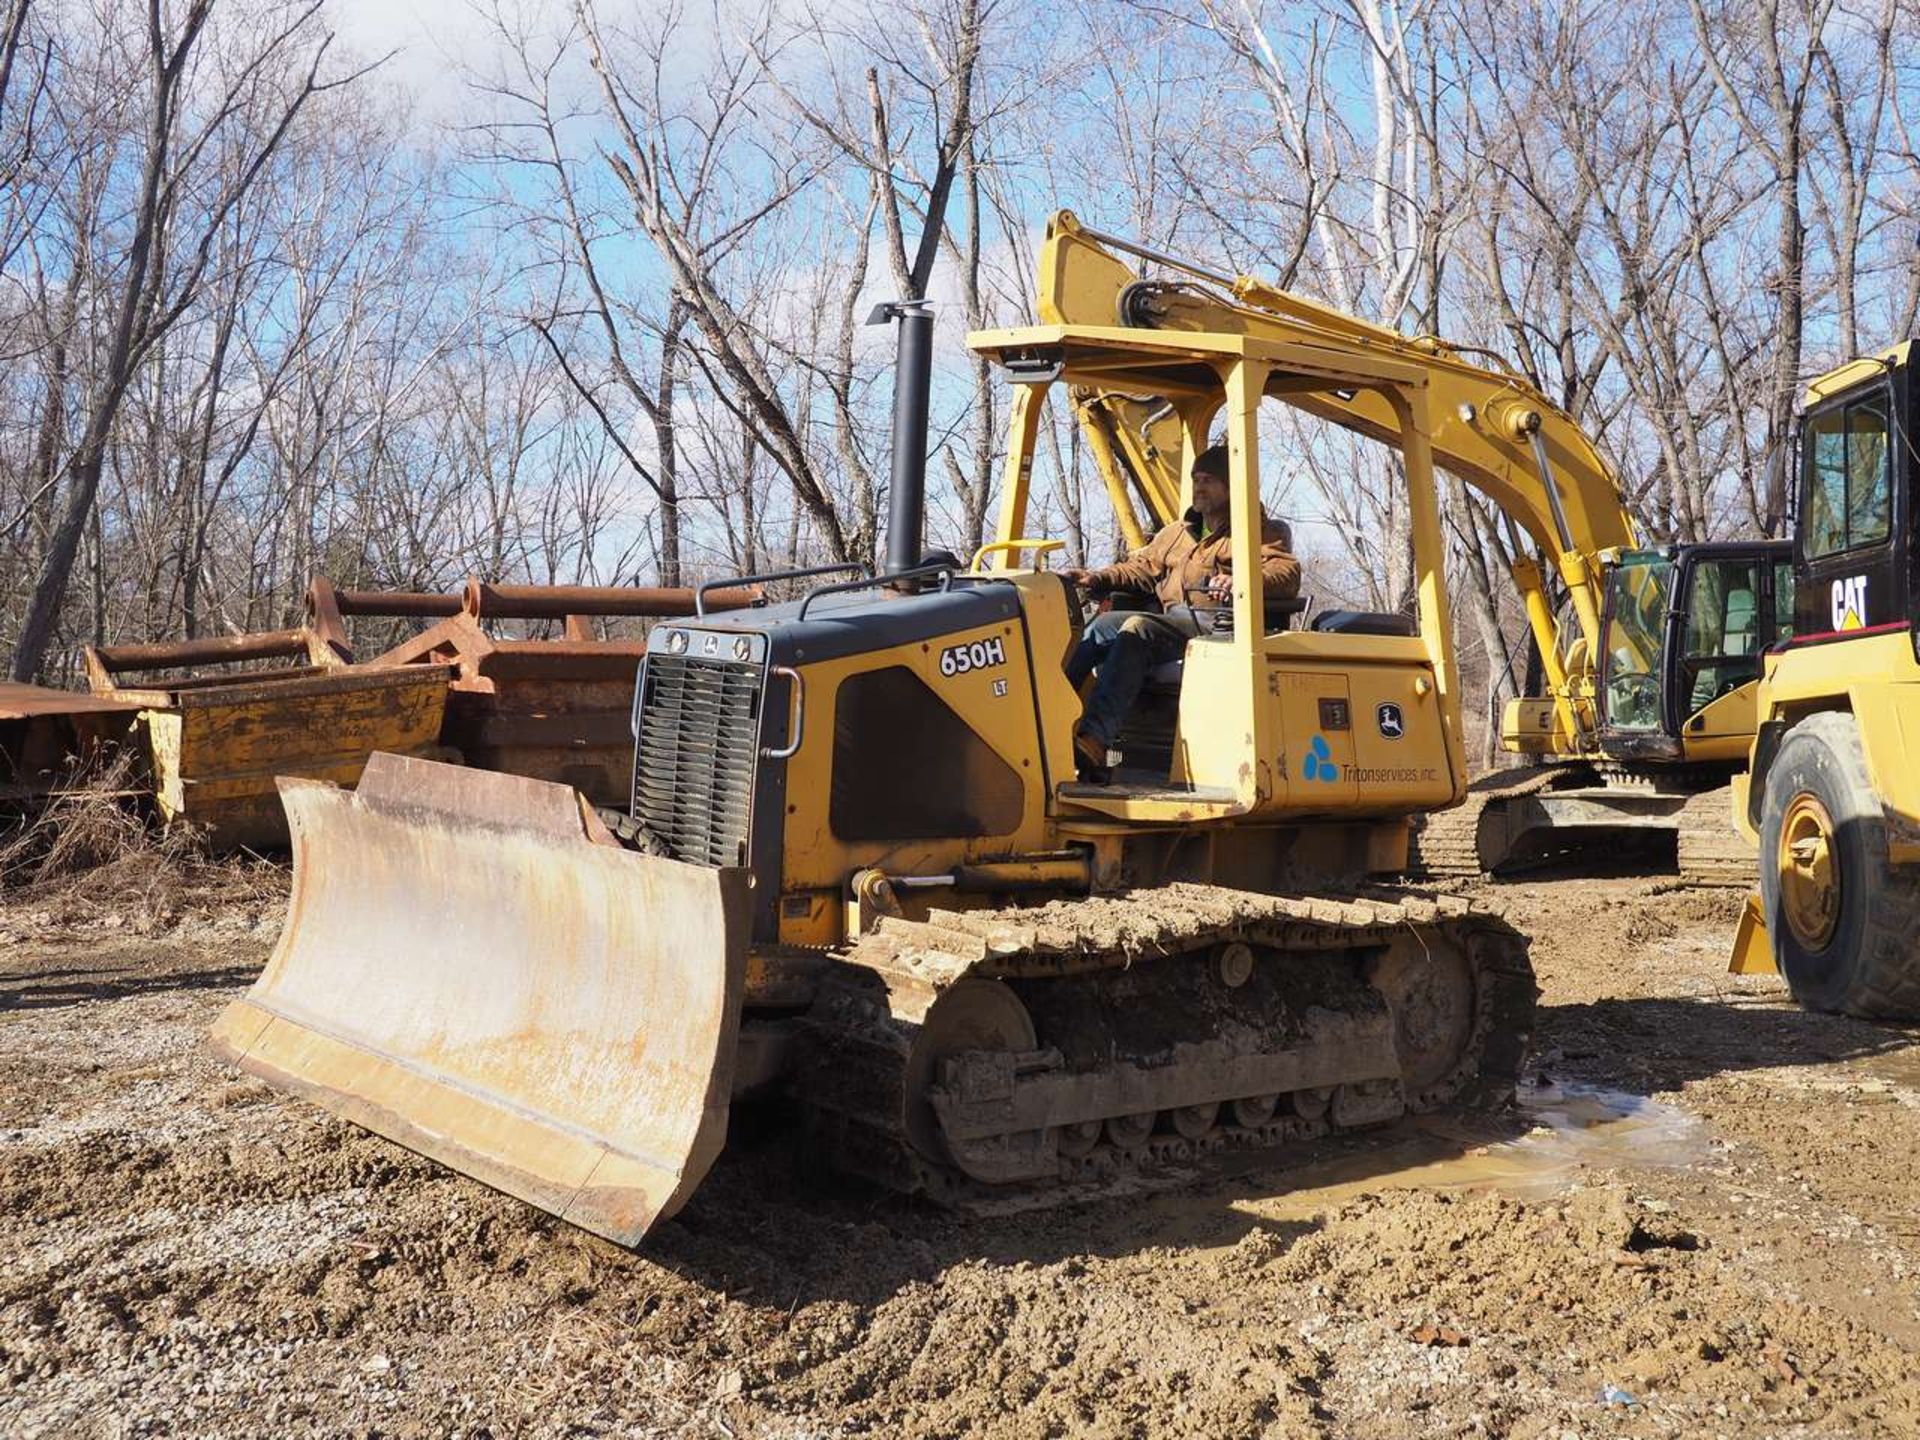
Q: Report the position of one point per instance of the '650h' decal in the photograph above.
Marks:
(959, 659)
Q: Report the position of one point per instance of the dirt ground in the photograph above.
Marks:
(1703, 1223)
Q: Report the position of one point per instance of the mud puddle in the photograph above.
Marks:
(1575, 1129)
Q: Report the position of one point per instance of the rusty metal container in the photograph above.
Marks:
(215, 737)
(46, 736)
(556, 710)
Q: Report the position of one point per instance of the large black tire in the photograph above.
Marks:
(1867, 961)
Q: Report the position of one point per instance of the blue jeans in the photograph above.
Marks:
(1119, 649)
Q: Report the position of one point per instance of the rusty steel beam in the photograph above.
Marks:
(397, 604)
(211, 650)
(557, 602)
(27, 702)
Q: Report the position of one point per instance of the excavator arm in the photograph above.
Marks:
(1491, 427)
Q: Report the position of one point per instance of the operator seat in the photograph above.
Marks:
(1280, 615)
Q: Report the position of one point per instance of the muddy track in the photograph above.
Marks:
(1299, 1046)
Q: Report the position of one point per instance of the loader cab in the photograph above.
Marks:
(1684, 628)
(1853, 548)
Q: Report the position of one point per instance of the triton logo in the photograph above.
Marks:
(1319, 762)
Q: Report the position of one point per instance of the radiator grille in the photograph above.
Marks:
(693, 773)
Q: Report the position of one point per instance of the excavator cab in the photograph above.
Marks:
(1683, 631)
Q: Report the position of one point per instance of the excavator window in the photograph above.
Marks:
(1636, 621)
(1722, 650)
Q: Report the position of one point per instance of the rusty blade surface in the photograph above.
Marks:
(26, 702)
(467, 971)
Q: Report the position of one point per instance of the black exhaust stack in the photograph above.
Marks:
(912, 386)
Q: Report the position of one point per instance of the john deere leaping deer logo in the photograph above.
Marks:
(1391, 722)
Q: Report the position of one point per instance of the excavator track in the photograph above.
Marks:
(1709, 850)
(1058, 1051)
(1446, 843)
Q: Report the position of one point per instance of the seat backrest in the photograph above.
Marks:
(1363, 622)
(1738, 639)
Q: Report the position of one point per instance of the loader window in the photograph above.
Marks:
(1782, 602)
(1848, 477)
(907, 767)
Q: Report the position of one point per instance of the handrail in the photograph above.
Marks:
(994, 547)
(700, 594)
(946, 571)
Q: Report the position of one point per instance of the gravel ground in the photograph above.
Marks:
(1706, 1212)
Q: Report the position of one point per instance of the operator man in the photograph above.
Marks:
(1186, 565)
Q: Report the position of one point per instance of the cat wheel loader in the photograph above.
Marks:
(1651, 654)
(856, 871)
(1832, 792)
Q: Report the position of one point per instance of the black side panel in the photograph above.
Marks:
(861, 622)
(1364, 622)
(906, 767)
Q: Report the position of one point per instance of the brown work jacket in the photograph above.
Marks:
(1174, 563)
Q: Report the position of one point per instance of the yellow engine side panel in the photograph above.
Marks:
(1315, 764)
(1877, 678)
(1341, 724)
(994, 700)
(1400, 750)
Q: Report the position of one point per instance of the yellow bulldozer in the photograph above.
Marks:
(1649, 655)
(1831, 796)
(857, 870)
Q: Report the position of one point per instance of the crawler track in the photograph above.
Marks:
(1709, 850)
(1054, 1051)
(1446, 844)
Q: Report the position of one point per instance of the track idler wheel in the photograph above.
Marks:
(975, 1015)
(1254, 1110)
(1433, 988)
(1076, 1141)
(1130, 1132)
(1311, 1104)
(1191, 1122)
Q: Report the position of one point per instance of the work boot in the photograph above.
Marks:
(1090, 758)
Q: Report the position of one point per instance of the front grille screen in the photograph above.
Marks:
(693, 773)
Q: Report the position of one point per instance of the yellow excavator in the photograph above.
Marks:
(1650, 665)
(1831, 796)
(858, 873)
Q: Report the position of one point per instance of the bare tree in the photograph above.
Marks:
(168, 254)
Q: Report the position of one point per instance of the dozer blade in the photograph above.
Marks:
(470, 967)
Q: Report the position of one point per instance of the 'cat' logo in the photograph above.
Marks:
(1850, 602)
